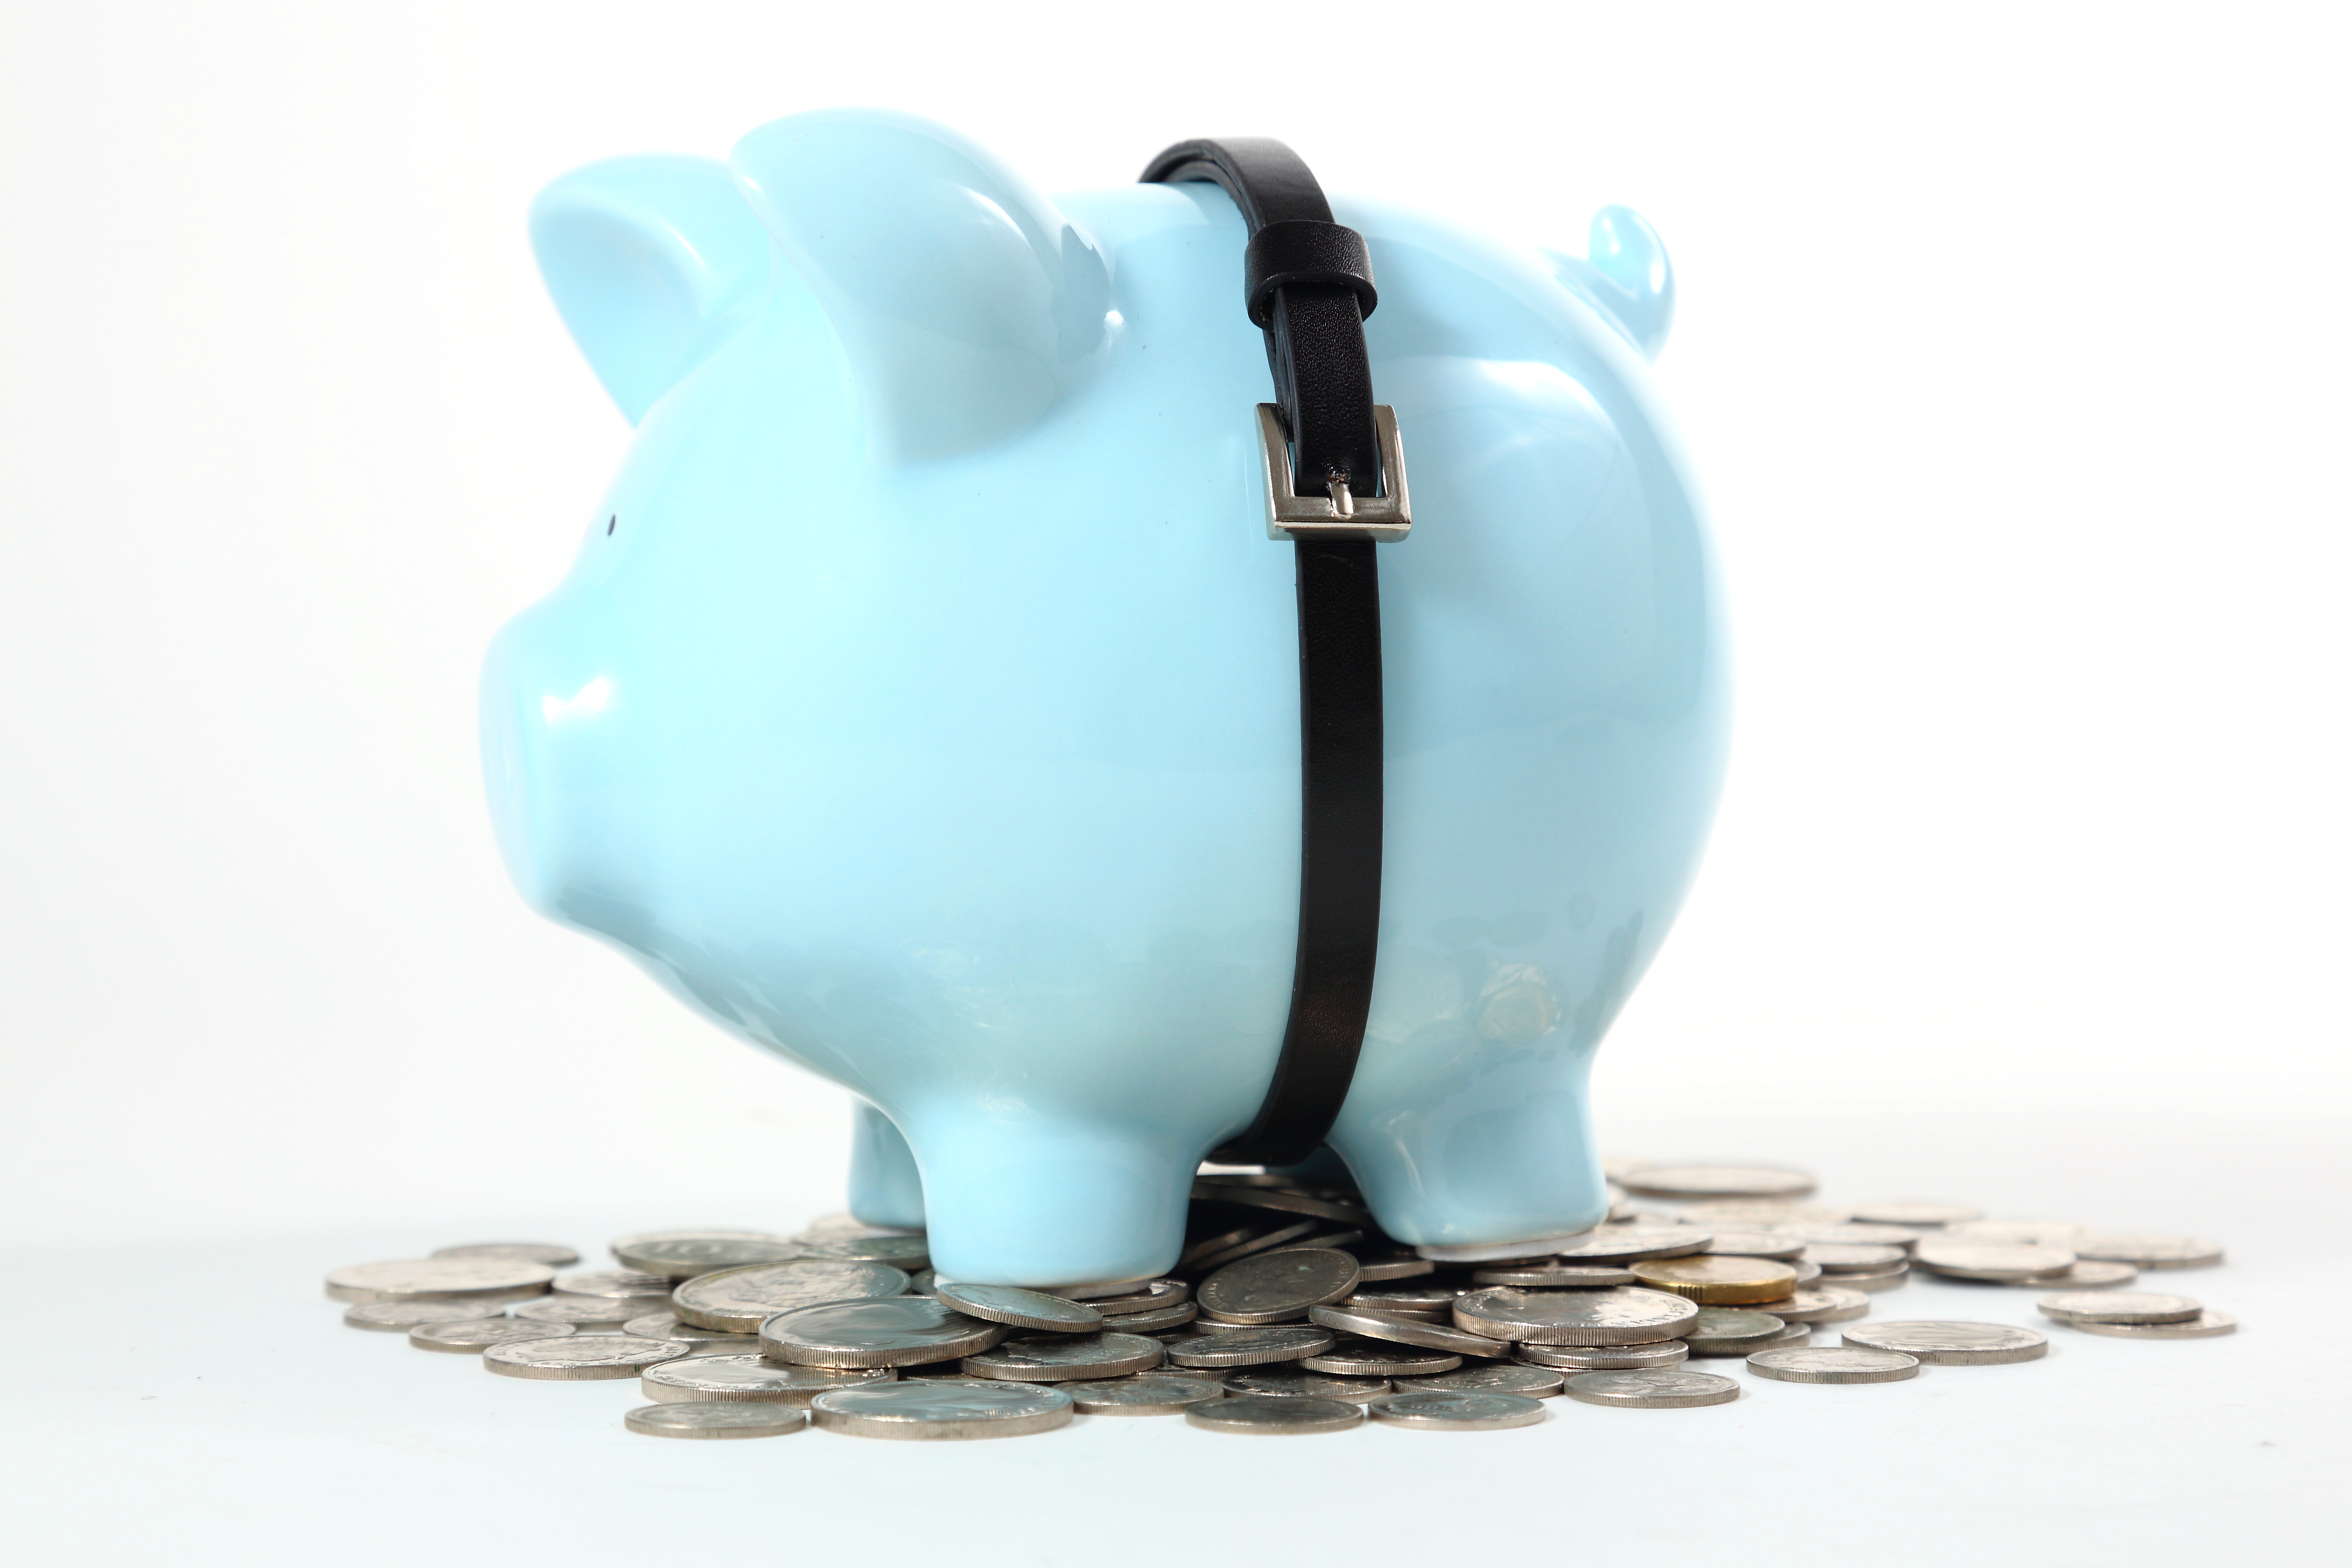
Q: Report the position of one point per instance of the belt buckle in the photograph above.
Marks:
(1383, 518)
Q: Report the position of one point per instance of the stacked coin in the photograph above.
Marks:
(1287, 1311)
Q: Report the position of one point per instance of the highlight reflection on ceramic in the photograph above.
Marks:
(923, 703)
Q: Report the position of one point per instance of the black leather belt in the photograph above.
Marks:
(1307, 281)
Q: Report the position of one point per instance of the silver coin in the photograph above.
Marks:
(1617, 1317)
(893, 1330)
(1353, 1357)
(2119, 1307)
(614, 1284)
(1274, 1415)
(2020, 1232)
(399, 1317)
(712, 1419)
(831, 1234)
(684, 1256)
(1557, 1276)
(1022, 1309)
(1107, 1295)
(1853, 1235)
(1398, 1329)
(1633, 1243)
(1160, 1320)
(1491, 1377)
(1124, 1295)
(751, 1378)
(583, 1358)
(1657, 1388)
(593, 1312)
(1602, 1358)
(1962, 1259)
(706, 1233)
(1946, 1343)
(1773, 1306)
(471, 1336)
(2145, 1251)
(2204, 1326)
(1807, 1270)
(943, 1409)
(1144, 1296)
(1345, 1240)
(1829, 1304)
(1153, 1393)
(846, 1224)
(1506, 1253)
(1834, 1364)
(1444, 1410)
(1633, 1216)
(1749, 1213)
(1380, 1265)
(1850, 1258)
(706, 1341)
(1717, 1181)
(548, 1252)
(1154, 1296)
(1757, 1244)
(1066, 1358)
(439, 1279)
(907, 1252)
(949, 1371)
(1277, 1287)
(1904, 1211)
(1290, 1384)
(1432, 1297)
(1250, 1347)
(1282, 1200)
(923, 1282)
(1724, 1330)
(1219, 1239)
(1794, 1334)
(743, 1299)
(1877, 1280)
(1264, 1240)
(2085, 1276)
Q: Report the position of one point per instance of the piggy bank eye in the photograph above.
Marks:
(611, 523)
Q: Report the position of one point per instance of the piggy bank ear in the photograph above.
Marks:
(653, 263)
(1626, 273)
(965, 302)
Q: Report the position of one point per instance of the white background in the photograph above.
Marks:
(2013, 351)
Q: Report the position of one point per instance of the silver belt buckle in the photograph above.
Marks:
(1383, 518)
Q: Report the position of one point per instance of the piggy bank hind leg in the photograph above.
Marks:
(1475, 1164)
(884, 1187)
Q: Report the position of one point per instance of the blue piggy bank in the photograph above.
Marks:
(923, 704)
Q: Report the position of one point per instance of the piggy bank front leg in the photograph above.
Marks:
(1021, 1197)
(885, 1186)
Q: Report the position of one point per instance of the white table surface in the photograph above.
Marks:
(199, 1401)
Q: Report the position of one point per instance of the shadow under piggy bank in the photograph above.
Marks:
(923, 705)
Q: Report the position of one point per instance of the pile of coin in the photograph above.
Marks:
(1288, 1312)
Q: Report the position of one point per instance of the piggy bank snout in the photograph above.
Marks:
(544, 746)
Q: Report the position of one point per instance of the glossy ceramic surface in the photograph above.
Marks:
(923, 703)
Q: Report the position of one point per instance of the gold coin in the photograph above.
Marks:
(1718, 1281)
